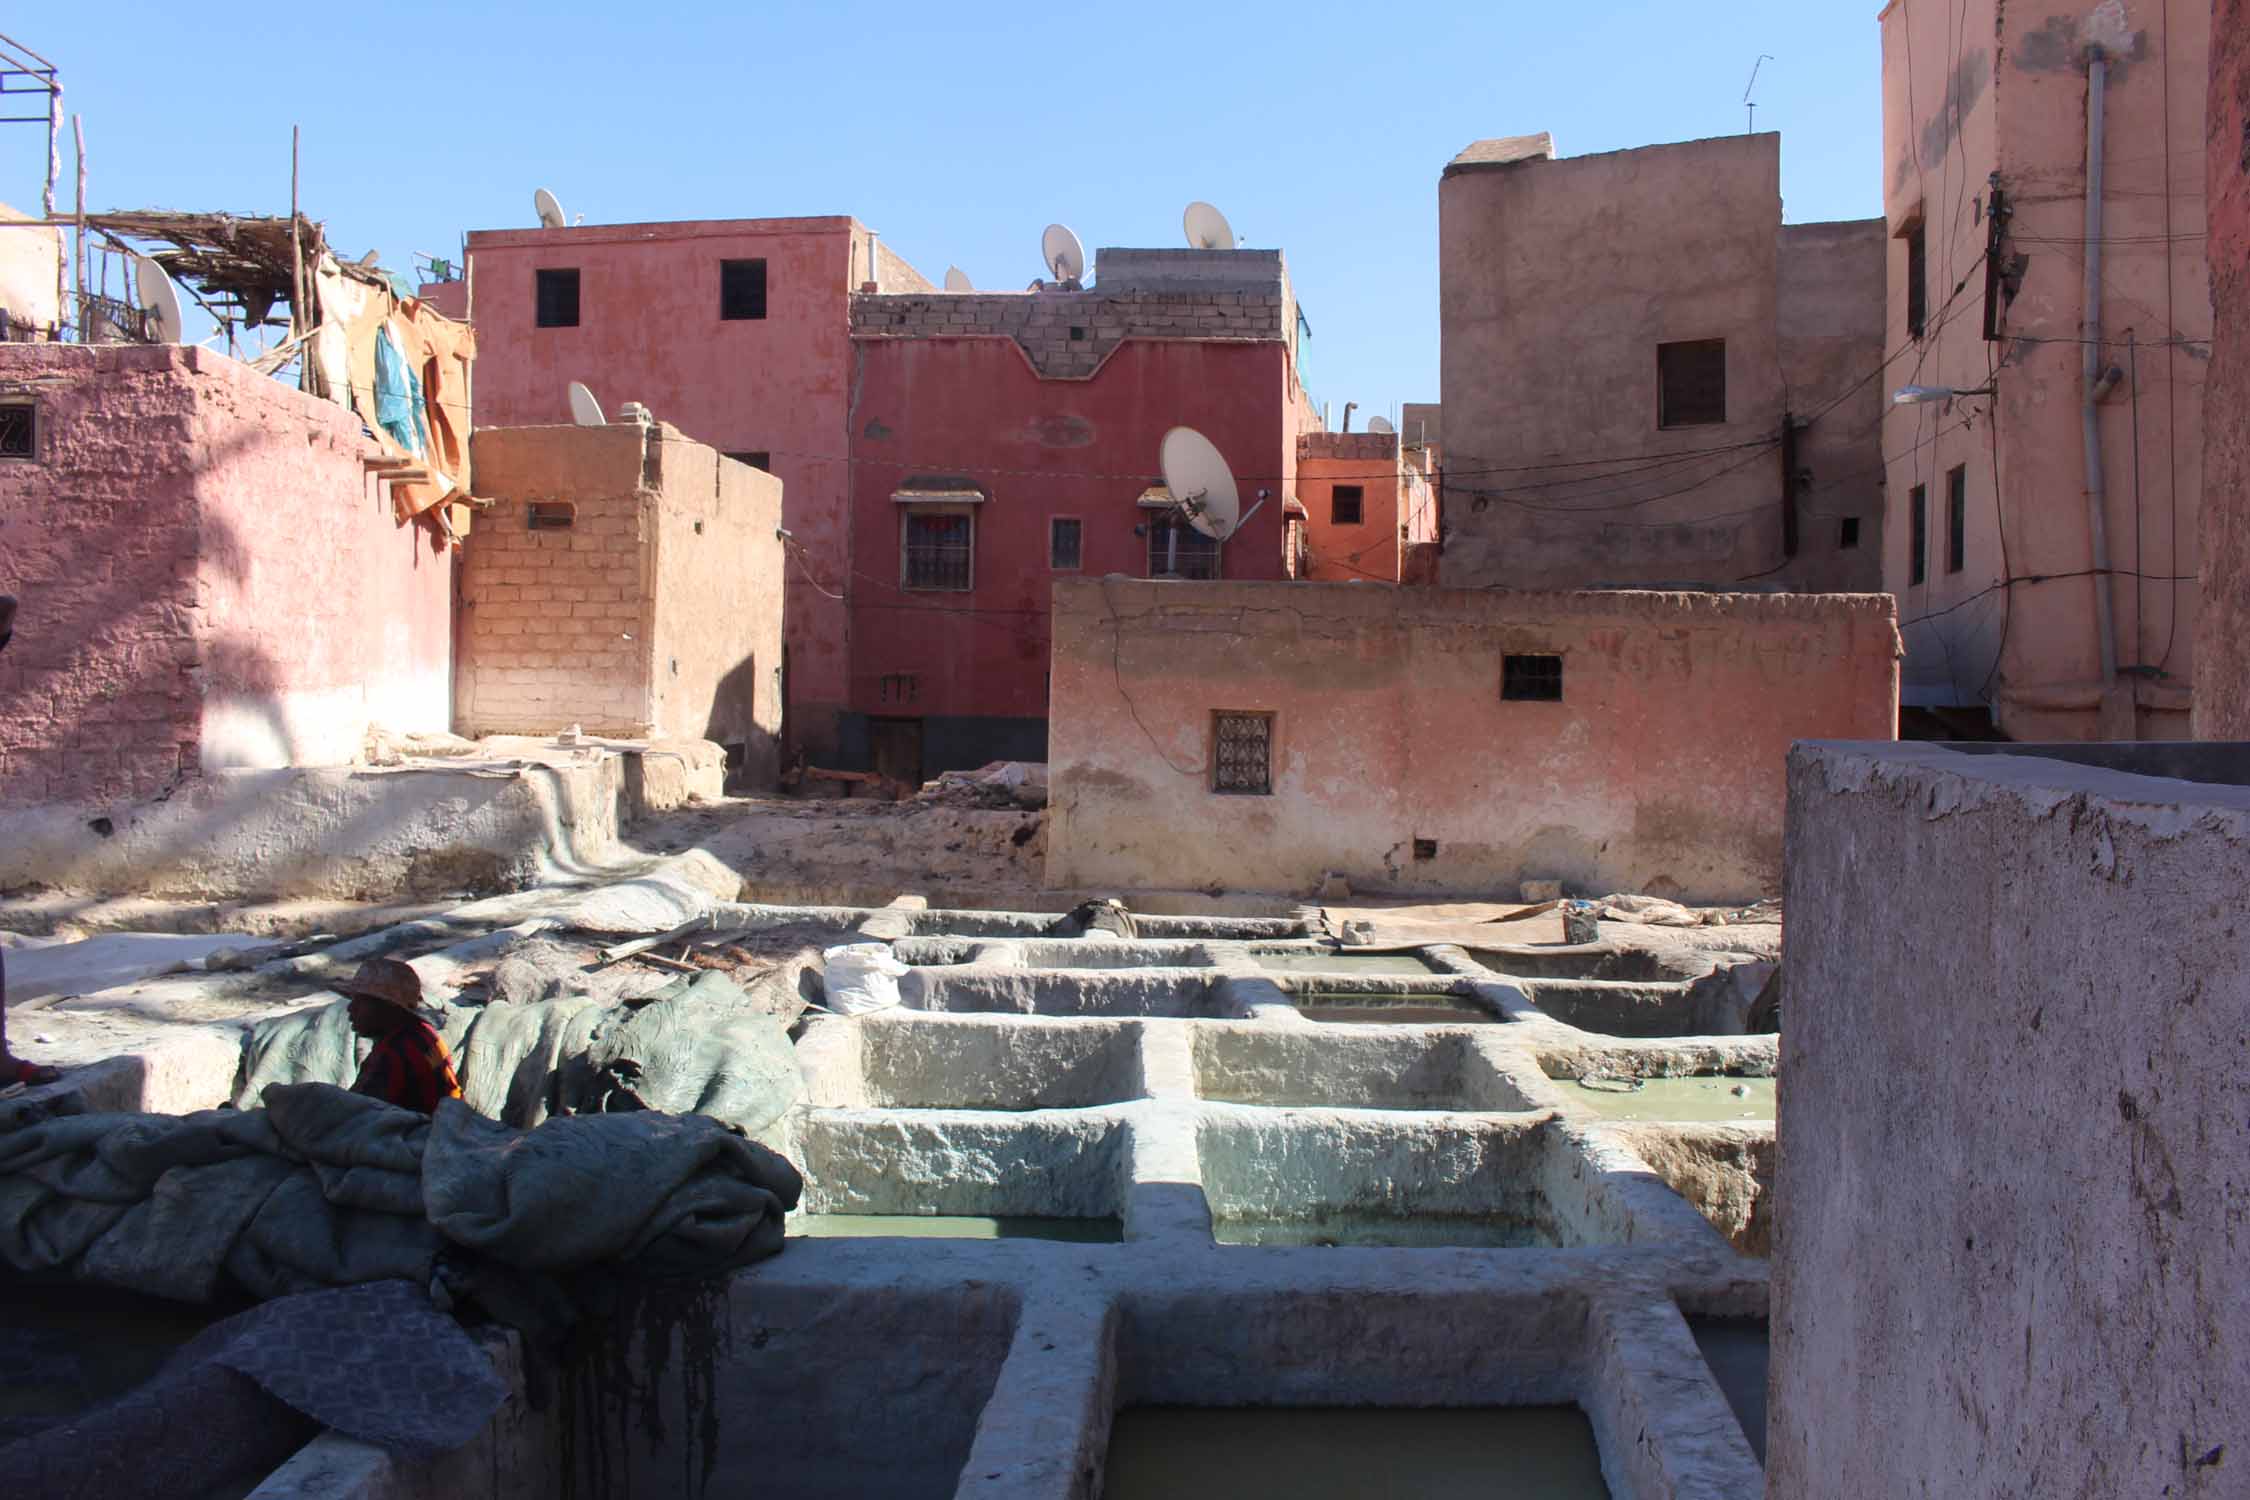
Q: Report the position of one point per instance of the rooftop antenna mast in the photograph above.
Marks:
(1751, 126)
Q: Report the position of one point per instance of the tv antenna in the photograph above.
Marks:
(957, 280)
(584, 409)
(158, 296)
(1202, 485)
(1064, 255)
(1207, 228)
(1751, 126)
(549, 209)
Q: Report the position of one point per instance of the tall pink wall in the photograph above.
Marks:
(974, 409)
(2222, 663)
(209, 579)
(1661, 768)
(650, 331)
(1988, 89)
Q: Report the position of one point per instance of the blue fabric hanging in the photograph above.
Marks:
(398, 396)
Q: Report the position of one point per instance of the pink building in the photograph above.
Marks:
(2041, 532)
(2222, 659)
(1368, 506)
(737, 332)
(240, 595)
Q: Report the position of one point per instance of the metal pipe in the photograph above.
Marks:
(2090, 367)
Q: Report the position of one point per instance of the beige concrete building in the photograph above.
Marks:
(2042, 540)
(626, 579)
(1648, 378)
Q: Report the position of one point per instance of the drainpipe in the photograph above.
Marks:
(2090, 369)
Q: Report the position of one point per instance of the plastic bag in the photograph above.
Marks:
(862, 977)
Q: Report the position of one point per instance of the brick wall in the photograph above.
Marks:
(555, 623)
(1067, 335)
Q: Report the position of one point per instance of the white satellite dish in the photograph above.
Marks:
(1065, 257)
(1380, 424)
(584, 409)
(1207, 228)
(957, 280)
(158, 296)
(549, 208)
(1201, 483)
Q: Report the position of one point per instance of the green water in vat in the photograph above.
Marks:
(1700, 1100)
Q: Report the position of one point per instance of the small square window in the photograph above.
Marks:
(756, 460)
(1847, 533)
(1691, 383)
(1957, 518)
(557, 297)
(550, 515)
(1242, 754)
(1347, 505)
(1918, 535)
(1064, 536)
(1531, 679)
(742, 290)
(19, 430)
(1425, 849)
(938, 546)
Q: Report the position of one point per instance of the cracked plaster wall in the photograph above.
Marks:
(1660, 769)
(2013, 1178)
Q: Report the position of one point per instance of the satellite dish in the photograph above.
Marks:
(1380, 424)
(957, 280)
(549, 209)
(1065, 257)
(584, 409)
(1201, 483)
(1207, 228)
(157, 295)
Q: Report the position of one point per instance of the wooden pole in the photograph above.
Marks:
(298, 322)
(78, 239)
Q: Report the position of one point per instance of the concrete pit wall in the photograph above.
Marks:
(2222, 664)
(1660, 768)
(2009, 1227)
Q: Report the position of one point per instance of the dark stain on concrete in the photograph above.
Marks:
(2058, 46)
(1060, 430)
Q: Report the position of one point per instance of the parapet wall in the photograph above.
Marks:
(2012, 1171)
(1395, 760)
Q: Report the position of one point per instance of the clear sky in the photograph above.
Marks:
(957, 130)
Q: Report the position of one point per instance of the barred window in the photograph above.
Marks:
(1242, 754)
(1531, 679)
(1347, 505)
(1178, 550)
(1065, 540)
(937, 550)
(556, 298)
(742, 290)
(19, 430)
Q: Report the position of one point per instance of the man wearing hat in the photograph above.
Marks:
(408, 1066)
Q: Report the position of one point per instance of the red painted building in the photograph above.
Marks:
(1003, 440)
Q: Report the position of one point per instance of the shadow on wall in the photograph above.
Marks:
(753, 753)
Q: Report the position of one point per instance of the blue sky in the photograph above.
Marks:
(956, 130)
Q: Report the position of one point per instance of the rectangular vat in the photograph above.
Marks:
(1338, 961)
(904, 1061)
(1272, 1065)
(1697, 1099)
(1338, 1008)
(1061, 1166)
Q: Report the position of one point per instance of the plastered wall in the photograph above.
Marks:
(1660, 769)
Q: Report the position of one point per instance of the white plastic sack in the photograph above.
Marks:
(862, 977)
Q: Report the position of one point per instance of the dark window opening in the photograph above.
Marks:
(1425, 848)
(742, 290)
(550, 515)
(1691, 383)
(1917, 281)
(1531, 679)
(1242, 754)
(557, 298)
(1847, 533)
(19, 430)
(1918, 535)
(937, 551)
(1077, 332)
(1347, 505)
(1178, 550)
(1956, 518)
(758, 460)
(1063, 542)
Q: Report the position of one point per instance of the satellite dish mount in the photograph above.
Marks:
(1065, 257)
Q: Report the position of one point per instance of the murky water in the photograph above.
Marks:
(1737, 1351)
(1703, 1100)
(1328, 961)
(1392, 1010)
(1354, 1453)
(954, 1227)
(1387, 1231)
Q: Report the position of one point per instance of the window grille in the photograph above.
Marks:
(557, 297)
(1064, 542)
(19, 430)
(1242, 754)
(1347, 505)
(937, 551)
(1957, 518)
(742, 290)
(1178, 550)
